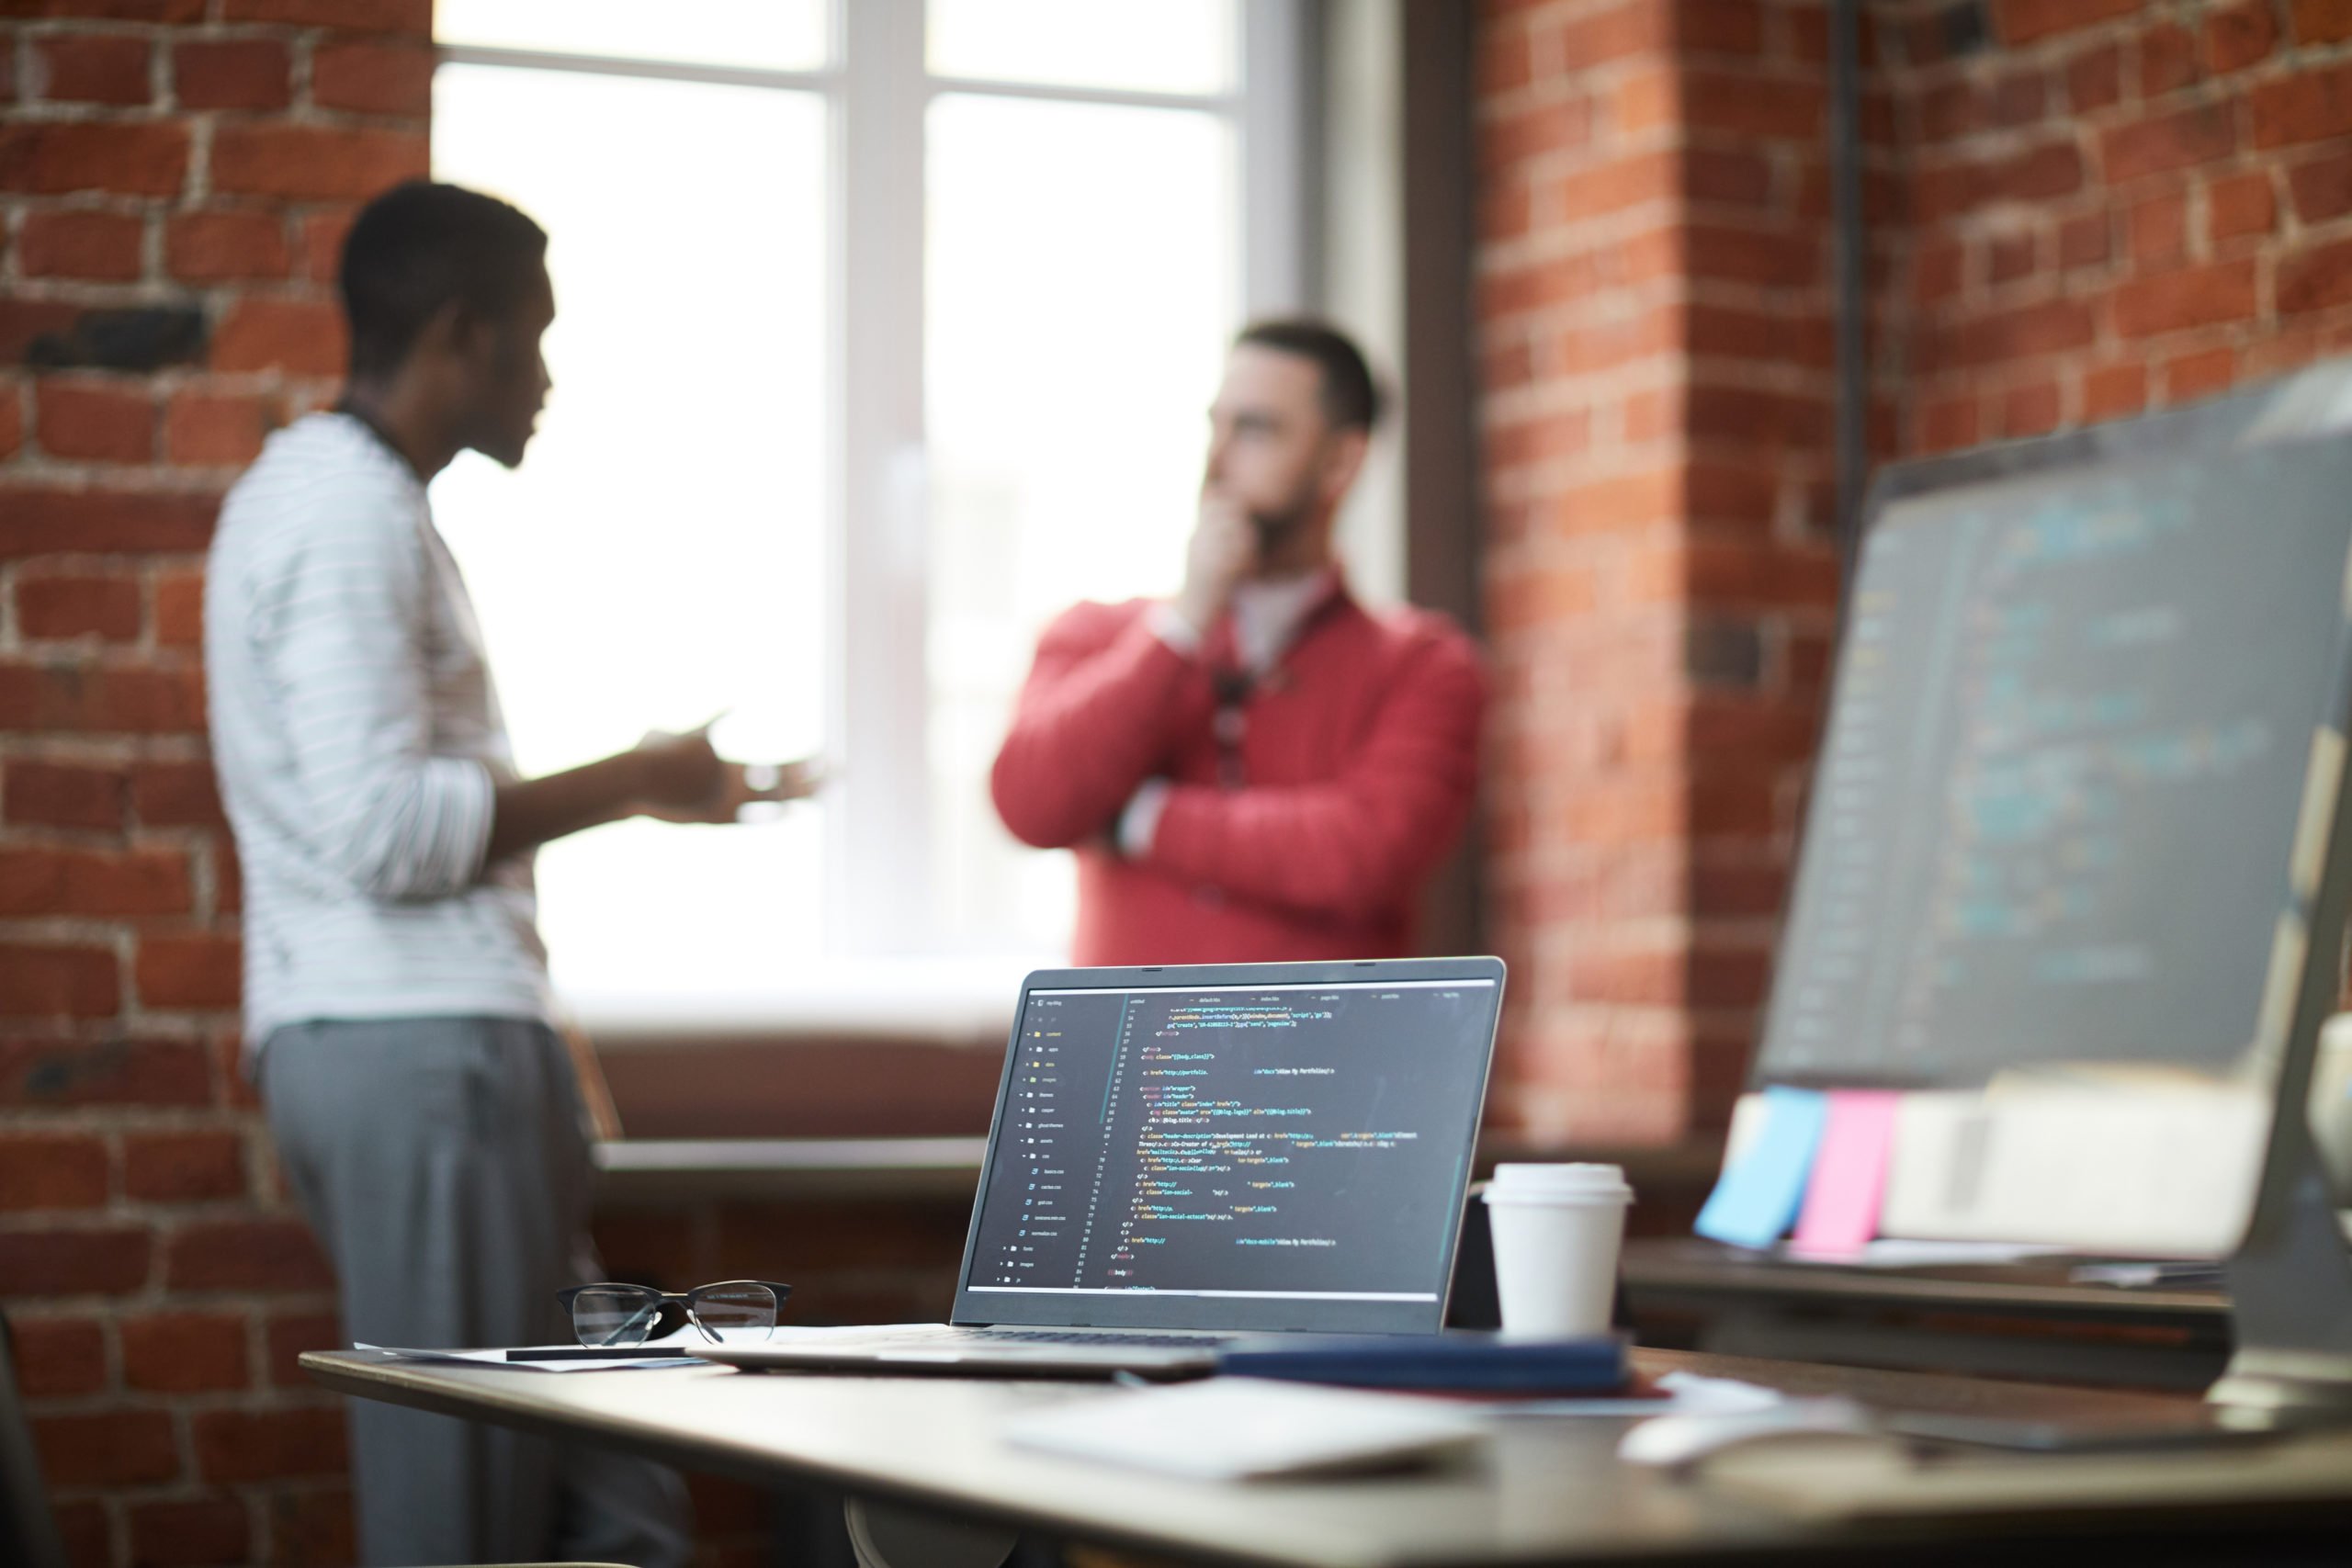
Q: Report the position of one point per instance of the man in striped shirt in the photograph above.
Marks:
(396, 992)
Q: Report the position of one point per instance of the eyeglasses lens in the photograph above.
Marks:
(613, 1315)
(736, 1314)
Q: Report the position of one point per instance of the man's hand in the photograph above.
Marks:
(1223, 550)
(683, 779)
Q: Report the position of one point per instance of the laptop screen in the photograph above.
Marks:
(1276, 1154)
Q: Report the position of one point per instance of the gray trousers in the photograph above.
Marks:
(443, 1164)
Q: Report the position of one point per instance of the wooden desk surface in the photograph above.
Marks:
(1544, 1490)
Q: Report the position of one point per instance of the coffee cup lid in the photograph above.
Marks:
(1541, 1183)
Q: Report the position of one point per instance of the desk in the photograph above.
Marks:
(1546, 1492)
(2014, 1320)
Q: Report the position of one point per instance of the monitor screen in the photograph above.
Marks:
(1265, 1155)
(2080, 760)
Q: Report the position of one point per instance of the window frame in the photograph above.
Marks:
(877, 88)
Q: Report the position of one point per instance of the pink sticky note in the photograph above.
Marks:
(1841, 1202)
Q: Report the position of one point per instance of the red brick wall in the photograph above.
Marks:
(2117, 207)
(1654, 312)
(2079, 209)
(174, 179)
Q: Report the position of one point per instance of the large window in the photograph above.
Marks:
(884, 332)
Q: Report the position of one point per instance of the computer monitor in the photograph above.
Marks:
(2071, 865)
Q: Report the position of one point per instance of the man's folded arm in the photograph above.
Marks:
(1361, 841)
(1094, 721)
(348, 659)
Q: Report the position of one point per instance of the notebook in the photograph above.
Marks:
(1181, 1156)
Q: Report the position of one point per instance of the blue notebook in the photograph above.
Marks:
(1458, 1362)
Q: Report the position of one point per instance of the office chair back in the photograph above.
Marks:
(28, 1529)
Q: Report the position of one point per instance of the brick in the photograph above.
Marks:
(292, 1334)
(2310, 104)
(89, 1538)
(194, 971)
(59, 604)
(322, 237)
(269, 1445)
(2192, 296)
(106, 246)
(2315, 280)
(2022, 21)
(104, 522)
(2167, 60)
(2323, 21)
(303, 163)
(2095, 79)
(2239, 205)
(1505, 61)
(54, 1073)
(74, 1263)
(2030, 410)
(305, 338)
(1529, 134)
(2159, 229)
(173, 11)
(57, 982)
(246, 1255)
(2009, 257)
(1950, 110)
(1747, 106)
(2083, 241)
(373, 78)
(58, 158)
(25, 321)
(12, 420)
(183, 1168)
(66, 698)
(2056, 326)
(179, 609)
(2322, 189)
(183, 1352)
(45, 881)
(58, 1357)
(414, 18)
(56, 796)
(1936, 270)
(2240, 35)
(1743, 179)
(115, 1448)
(2199, 375)
(2169, 142)
(214, 429)
(101, 423)
(196, 1533)
(219, 247)
(1719, 27)
(51, 1171)
(234, 74)
(176, 794)
(91, 68)
(1745, 254)
(314, 1524)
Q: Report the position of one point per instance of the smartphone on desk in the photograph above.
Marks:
(2193, 1429)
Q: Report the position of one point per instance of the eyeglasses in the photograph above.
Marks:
(731, 1312)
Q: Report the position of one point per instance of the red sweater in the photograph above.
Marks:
(1358, 766)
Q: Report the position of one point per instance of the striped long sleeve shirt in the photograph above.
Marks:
(358, 739)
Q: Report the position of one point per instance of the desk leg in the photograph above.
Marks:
(887, 1536)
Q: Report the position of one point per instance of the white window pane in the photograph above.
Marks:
(659, 555)
(1153, 46)
(1080, 270)
(774, 35)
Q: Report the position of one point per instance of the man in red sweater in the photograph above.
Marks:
(1259, 768)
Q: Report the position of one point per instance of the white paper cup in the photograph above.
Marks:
(1556, 1229)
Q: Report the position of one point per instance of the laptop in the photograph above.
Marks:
(1182, 1156)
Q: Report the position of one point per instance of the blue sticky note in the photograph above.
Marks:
(1756, 1199)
